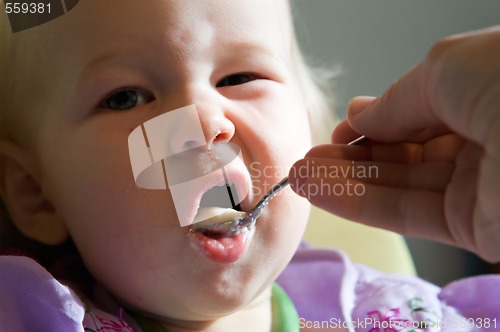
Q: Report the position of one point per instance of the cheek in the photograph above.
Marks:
(118, 228)
(281, 136)
(93, 190)
(289, 130)
(291, 122)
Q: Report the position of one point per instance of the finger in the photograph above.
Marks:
(340, 151)
(443, 148)
(486, 237)
(489, 184)
(475, 226)
(343, 133)
(456, 87)
(410, 212)
(401, 112)
(429, 176)
(464, 83)
(396, 153)
(359, 103)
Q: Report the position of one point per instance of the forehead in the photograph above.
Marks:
(187, 26)
(152, 33)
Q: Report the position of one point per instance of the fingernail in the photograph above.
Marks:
(357, 105)
(355, 108)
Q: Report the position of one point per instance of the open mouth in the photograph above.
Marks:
(217, 221)
(211, 201)
(212, 232)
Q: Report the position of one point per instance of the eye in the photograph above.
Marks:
(236, 79)
(125, 99)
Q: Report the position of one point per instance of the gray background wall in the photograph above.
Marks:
(374, 42)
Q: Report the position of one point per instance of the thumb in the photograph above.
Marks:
(401, 113)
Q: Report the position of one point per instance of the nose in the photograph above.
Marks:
(216, 126)
(198, 125)
(173, 138)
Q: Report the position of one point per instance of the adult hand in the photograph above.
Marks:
(434, 151)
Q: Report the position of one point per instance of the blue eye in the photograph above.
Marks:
(236, 79)
(126, 99)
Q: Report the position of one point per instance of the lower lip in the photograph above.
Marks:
(222, 249)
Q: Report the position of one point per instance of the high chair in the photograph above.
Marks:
(379, 249)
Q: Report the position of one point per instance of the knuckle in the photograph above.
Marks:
(461, 48)
(441, 49)
(462, 74)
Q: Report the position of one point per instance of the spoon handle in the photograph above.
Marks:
(267, 197)
(284, 182)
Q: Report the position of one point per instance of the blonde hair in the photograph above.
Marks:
(22, 73)
(5, 73)
(15, 63)
(315, 84)
(6, 231)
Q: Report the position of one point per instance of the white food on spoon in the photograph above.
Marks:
(213, 215)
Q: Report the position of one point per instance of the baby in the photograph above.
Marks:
(79, 85)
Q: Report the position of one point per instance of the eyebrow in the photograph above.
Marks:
(105, 60)
(250, 47)
(115, 59)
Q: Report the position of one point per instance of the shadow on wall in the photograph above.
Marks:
(442, 264)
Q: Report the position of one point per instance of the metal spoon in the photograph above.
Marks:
(234, 226)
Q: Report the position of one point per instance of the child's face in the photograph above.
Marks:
(229, 58)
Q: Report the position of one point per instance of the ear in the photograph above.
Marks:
(30, 211)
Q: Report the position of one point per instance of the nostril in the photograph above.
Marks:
(222, 137)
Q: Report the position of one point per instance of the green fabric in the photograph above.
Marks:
(285, 317)
(149, 325)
